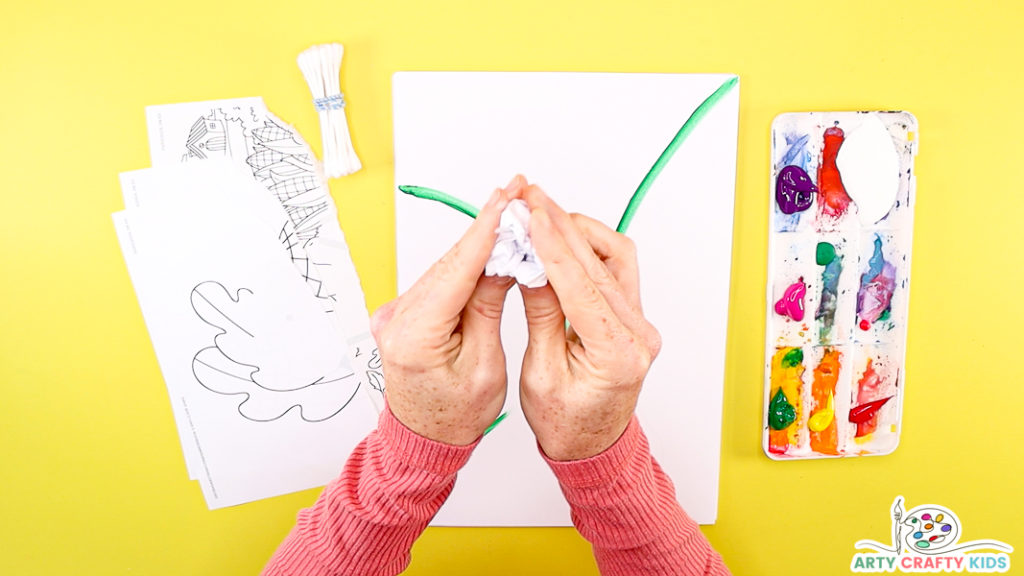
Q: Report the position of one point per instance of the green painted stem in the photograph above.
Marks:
(670, 150)
(495, 423)
(438, 196)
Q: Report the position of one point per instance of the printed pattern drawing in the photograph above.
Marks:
(283, 165)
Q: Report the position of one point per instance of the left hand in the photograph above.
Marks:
(440, 344)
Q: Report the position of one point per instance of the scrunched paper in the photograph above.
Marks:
(513, 253)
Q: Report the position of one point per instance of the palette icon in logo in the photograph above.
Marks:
(931, 529)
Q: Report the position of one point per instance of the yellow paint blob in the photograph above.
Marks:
(820, 420)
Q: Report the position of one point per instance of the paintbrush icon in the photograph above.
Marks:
(897, 515)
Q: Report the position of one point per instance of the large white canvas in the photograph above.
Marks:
(588, 140)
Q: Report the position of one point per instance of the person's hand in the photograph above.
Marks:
(579, 386)
(444, 367)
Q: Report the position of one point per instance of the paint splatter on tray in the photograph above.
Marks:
(842, 190)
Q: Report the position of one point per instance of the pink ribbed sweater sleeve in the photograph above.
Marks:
(624, 504)
(366, 520)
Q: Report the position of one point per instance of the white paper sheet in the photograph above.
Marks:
(264, 395)
(588, 139)
(244, 132)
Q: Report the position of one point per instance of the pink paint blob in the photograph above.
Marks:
(792, 302)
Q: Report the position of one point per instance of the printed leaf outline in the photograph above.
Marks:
(214, 369)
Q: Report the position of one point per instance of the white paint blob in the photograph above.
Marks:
(870, 168)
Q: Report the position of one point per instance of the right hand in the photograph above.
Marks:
(579, 386)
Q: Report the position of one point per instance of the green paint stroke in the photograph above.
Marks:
(438, 196)
(495, 423)
(670, 150)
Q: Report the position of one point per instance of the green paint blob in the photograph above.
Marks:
(825, 254)
(780, 412)
(885, 315)
(793, 358)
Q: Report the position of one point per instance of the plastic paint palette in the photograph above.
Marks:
(841, 223)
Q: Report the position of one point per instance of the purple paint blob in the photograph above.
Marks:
(794, 190)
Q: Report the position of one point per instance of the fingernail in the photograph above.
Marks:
(515, 182)
(494, 197)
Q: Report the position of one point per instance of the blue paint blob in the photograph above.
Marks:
(797, 145)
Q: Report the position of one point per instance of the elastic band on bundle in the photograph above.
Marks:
(335, 102)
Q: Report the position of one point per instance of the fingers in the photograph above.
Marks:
(616, 251)
(623, 300)
(544, 321)
(444, 290)
(581, 300)
(481, 320)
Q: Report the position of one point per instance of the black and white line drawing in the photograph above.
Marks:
(283, 165)
(244, 132)
(251, 357)
(374, 369)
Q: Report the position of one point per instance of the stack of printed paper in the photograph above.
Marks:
(251, 300)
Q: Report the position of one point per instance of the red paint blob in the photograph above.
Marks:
(833, 196)
(865, 325)
(864, 412)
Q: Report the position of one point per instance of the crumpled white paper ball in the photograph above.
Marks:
(513, 253)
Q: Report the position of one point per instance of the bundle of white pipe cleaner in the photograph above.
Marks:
(513, 253)
(321, 66)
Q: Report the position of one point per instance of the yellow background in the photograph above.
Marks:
(91, 475)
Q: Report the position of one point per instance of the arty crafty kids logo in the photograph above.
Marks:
(927, 539)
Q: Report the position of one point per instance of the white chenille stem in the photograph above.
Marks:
(321, 66)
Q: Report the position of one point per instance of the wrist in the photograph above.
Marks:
(419, 451)
(602, 467)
